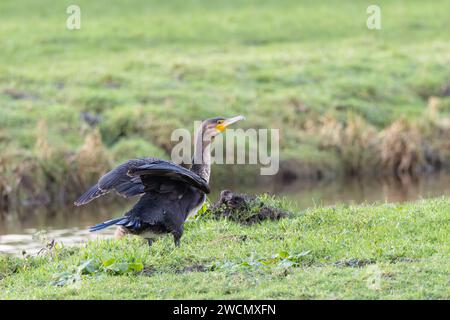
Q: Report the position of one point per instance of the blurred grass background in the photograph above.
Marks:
(144, 68)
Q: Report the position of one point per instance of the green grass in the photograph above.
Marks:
(147, 67)
(381, 251)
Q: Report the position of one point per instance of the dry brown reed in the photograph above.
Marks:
(49, 175)
(403, 148)
(354, 141)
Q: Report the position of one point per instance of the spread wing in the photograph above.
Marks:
(137, 176)
(164, 170)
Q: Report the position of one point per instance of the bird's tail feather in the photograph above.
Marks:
(106, 224)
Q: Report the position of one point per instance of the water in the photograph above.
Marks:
(30, 227)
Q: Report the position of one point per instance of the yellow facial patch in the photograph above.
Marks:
(221, 127)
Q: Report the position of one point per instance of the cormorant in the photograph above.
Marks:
(169, 193)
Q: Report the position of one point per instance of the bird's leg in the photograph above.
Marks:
(149, 241)
(177, 236)
(176, 239)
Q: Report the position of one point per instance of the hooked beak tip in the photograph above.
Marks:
(234, 120)
(221, 127)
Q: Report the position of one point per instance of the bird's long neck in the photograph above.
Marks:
(201, 162)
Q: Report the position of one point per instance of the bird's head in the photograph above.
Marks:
(215, 126)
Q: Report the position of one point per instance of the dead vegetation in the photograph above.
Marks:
(245, 209)
(403, 148)
(354, 141)
(50, 176)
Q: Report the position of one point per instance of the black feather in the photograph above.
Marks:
(170, 171)
(88, 196)
(137, 176)
(106, 224)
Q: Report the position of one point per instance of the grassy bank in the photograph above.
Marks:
(366, 252)
(143, 68)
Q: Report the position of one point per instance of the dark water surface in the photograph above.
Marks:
(30, 227)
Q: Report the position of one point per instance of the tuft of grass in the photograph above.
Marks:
(401, 148)
(245, 209)
(92, 159)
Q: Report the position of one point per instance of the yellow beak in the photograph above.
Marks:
(222, 126)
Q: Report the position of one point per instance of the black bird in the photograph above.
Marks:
(169, 193)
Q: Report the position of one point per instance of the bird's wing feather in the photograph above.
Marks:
(171, 171)
(93, 193)
(137, 176)
(117, 179)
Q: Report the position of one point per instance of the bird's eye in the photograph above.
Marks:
(219, 121)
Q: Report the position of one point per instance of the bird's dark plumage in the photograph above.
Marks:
(135, 176)
(168, 192)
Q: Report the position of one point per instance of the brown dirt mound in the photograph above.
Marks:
(245, 209)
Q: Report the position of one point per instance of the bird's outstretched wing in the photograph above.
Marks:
(118, 180)
(170, 171)
(137, 176)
